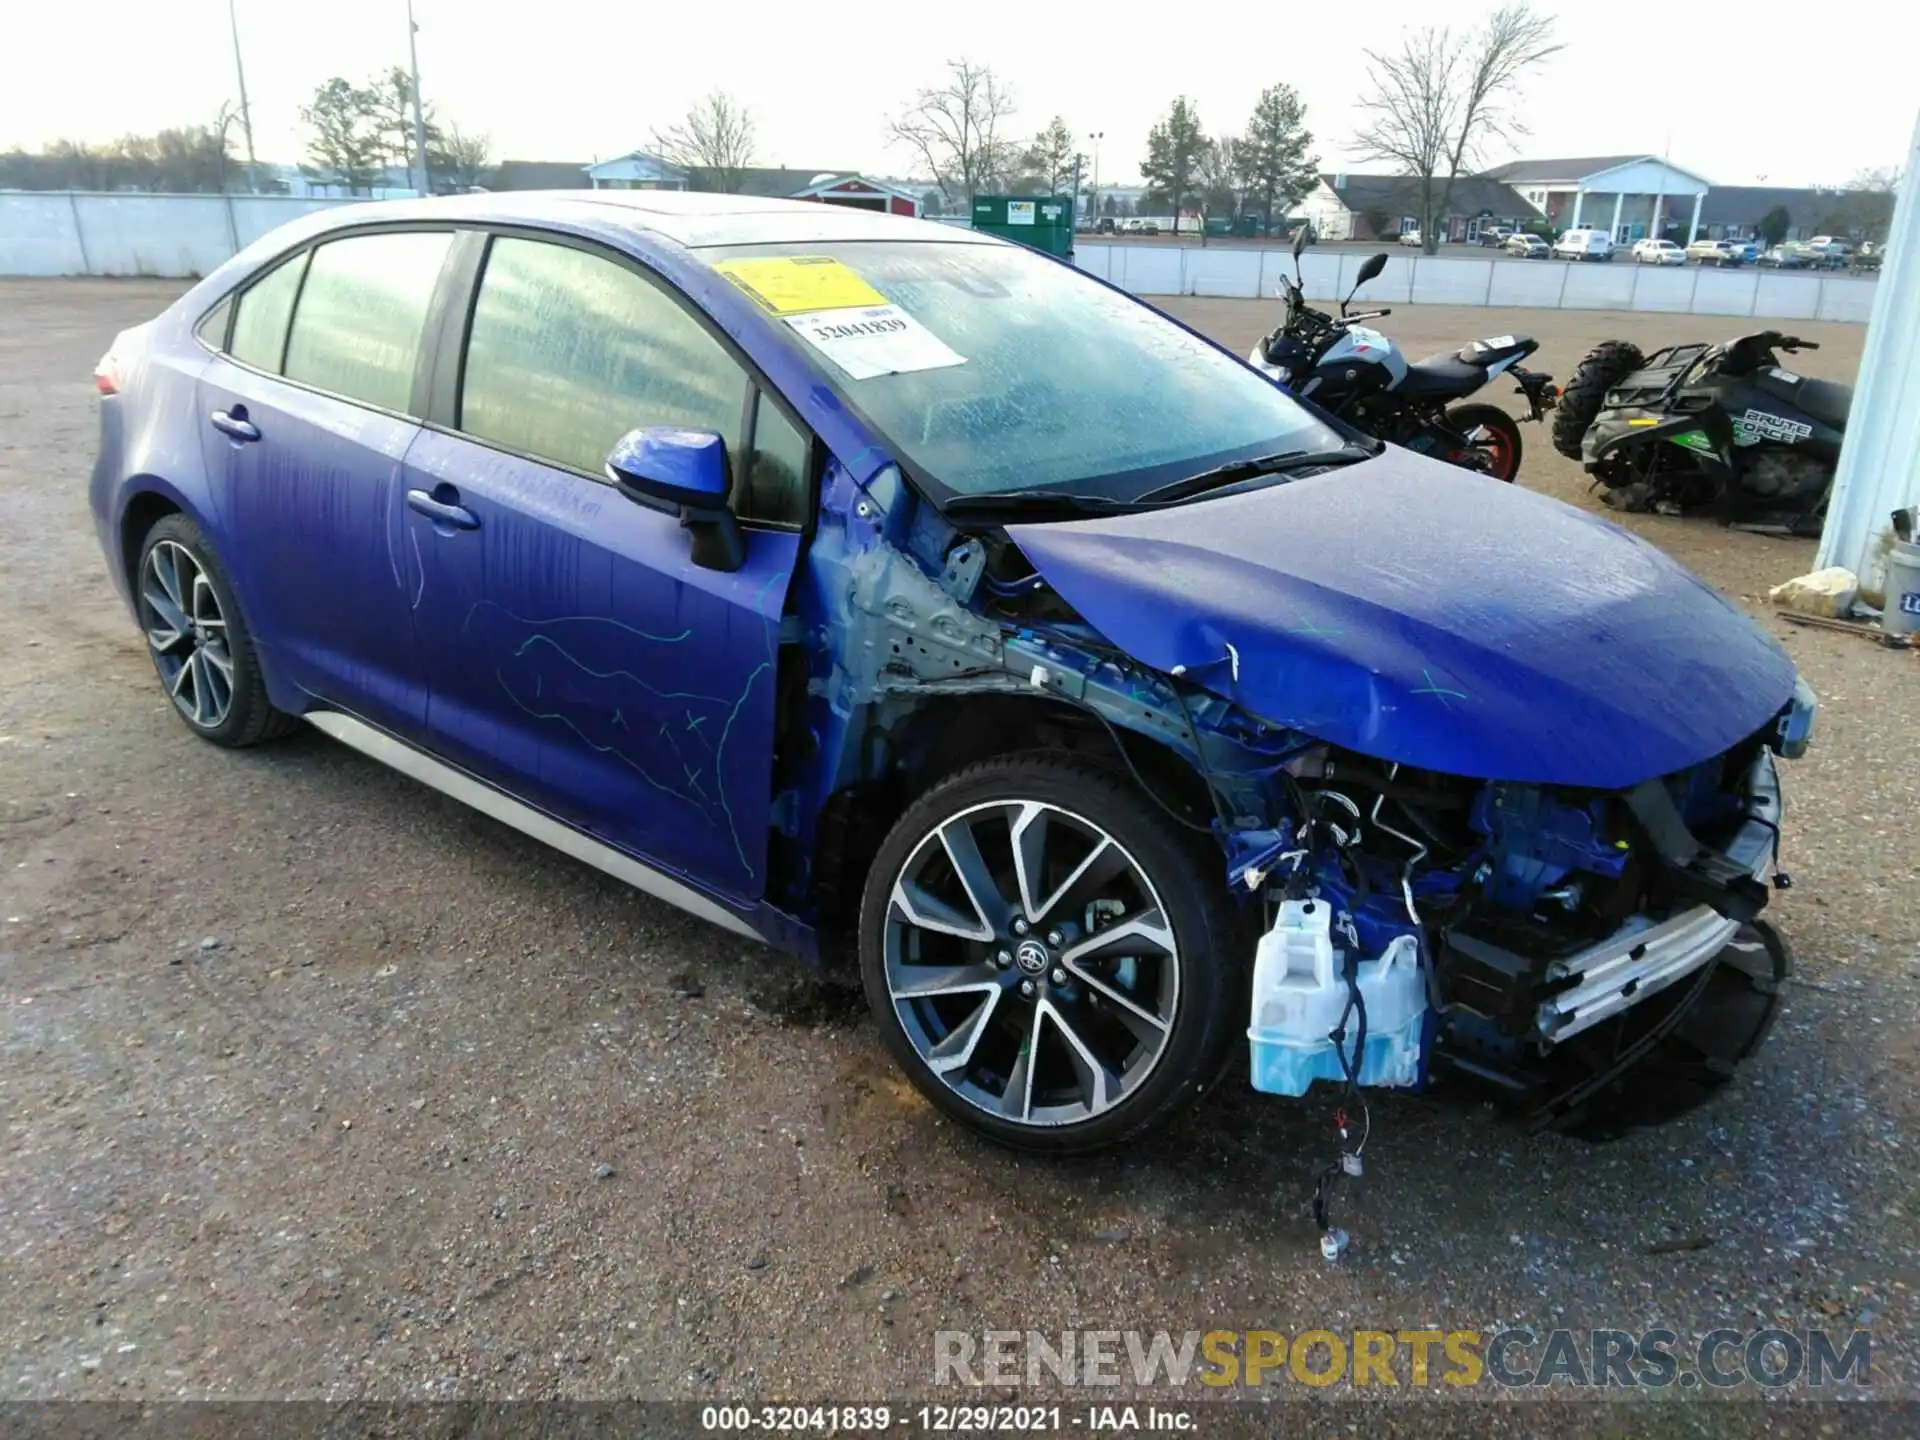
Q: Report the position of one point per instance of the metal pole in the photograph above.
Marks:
(1656, 231)
(1096, 136)
(246, 111)
(79, 234)
(425, 182)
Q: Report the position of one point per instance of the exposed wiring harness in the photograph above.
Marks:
(1141, 780)
(1333, 1240)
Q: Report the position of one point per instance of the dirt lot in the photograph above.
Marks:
(317, 1085)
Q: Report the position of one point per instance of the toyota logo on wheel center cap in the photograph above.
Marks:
(1031, 956)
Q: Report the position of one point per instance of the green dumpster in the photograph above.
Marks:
(1042, 221)
(1248, 227)
(1219, 225)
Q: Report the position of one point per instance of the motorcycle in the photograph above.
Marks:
(1718, 428)
(1360, 375)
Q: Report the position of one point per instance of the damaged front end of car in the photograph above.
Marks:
(1457, 849)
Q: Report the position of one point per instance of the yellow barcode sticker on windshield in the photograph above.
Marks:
(798, 284)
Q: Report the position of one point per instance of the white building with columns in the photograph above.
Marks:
(1633, 196)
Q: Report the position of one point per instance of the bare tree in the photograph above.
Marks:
(1216, 173)
(464, 159)
(955, 130)
(188, 159)
(1434, 103)
(715, 139)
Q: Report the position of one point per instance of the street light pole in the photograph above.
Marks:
(425, 182)
(1096, 136)
(246, 112)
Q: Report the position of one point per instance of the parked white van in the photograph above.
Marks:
(1584, 245)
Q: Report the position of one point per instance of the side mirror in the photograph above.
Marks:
(1299, 240)
(1370, 269)
(667, 468)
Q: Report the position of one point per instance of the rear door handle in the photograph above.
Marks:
(441, 511)
(234, 424)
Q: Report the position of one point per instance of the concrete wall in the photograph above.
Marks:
(1446, 280)
(179, 236)
(166, 236)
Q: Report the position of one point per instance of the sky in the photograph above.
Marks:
(1758, 92)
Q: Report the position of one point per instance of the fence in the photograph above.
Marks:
(177, 236)
(1234, 271)
(169, 236)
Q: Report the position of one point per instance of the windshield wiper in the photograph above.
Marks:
(1262, 465)
(1014, 500)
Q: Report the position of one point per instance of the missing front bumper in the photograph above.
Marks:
(1644, 957)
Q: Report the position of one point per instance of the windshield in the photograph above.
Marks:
(995, 369)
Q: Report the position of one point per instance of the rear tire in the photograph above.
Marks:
(199, 641)
(1606, 365)
(1498, 437)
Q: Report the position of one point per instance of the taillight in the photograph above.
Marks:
(106, 377)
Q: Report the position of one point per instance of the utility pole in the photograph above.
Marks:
(1096, 136)
(424, 182)
(246, 113)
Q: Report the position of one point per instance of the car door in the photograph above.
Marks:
(308, 415)
(576, 655)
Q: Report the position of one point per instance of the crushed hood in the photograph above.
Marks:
(1418, 613)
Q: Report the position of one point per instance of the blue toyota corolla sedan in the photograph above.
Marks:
(839, 577)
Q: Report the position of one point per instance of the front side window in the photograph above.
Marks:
(1012, 371)
(778, 484)
(260, 326)
(357, 331)
(569, 350)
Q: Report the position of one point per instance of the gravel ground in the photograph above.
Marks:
(317, 1085)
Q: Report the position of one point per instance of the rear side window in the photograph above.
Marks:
(362, 310)
(260, 327)
(568, 351)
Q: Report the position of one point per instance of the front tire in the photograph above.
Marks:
(1493, 435)
(1606, 365)
(198, 640)
(1052, 965)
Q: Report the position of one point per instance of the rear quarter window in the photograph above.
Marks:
(212, 328)
(260, 323)
(357, 331)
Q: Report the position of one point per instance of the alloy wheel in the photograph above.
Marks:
(187, 633)
(1030, 962)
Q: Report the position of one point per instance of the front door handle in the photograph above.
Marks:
(442, 512)
(234, 424)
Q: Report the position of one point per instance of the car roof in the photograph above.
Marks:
(692, 219)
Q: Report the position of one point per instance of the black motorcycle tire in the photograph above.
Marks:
(1502, 446)
(1606, 365)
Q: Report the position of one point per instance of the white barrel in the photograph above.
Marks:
(1901, 614)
